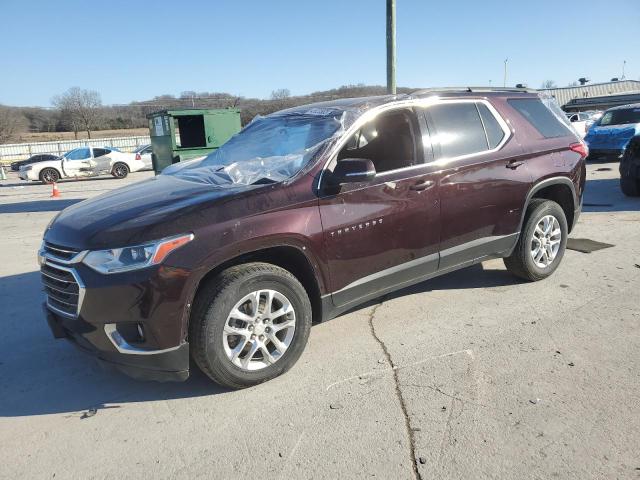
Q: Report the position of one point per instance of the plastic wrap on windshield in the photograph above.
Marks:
(270, 149)
(551, 103)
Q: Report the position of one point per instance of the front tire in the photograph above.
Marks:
(49, 175)
(249, 324)
(120, 170)
(630, 186)
(542, 241)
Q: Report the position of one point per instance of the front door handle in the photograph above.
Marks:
(422, 185)
(513, 164)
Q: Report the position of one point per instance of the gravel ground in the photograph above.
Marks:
(471, 375)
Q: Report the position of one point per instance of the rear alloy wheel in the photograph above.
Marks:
(249, 324)
(120, 170)
(542, 241)
(49, 175)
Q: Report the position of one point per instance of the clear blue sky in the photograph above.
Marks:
(134, 50)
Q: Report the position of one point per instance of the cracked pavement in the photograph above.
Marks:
(470, 375)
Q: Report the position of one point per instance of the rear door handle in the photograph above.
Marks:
(514, 164)
(422, 185)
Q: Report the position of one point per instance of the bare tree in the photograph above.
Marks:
(280, 94)
(11, 122)
(79, 108)
(548, 84)
(573, 84)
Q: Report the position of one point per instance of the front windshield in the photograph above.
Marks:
(269, 149)
(620, 117)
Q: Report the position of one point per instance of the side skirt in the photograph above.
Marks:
(405, 275)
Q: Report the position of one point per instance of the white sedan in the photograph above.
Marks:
(143, 152)
(83, 162)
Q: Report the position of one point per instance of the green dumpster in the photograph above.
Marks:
(178, 135)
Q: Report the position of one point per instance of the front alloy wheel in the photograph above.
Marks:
(259, 329)
(249, 324)
(49, 175)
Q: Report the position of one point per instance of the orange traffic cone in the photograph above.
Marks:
(56, 192)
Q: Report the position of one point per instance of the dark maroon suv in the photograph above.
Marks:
(303, 215)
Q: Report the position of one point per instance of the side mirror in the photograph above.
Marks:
(353, 170)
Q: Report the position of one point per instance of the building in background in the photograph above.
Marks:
(596, 96)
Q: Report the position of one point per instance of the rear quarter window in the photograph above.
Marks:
(495, 134)
(538, 115)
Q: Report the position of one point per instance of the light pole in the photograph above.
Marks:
(504, 83)
(391, 46)
(624, 64)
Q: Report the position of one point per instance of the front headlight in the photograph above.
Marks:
(124, 259)
(26, 168)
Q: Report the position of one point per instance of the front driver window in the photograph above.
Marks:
(79, 154)
(388, 141)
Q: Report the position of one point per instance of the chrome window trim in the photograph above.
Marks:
(81, 288)
(424, 103)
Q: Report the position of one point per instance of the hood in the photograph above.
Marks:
(148, 210)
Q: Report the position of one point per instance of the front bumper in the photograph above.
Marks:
(164, 365)
(133, 321)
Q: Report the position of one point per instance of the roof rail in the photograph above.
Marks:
(471, 90)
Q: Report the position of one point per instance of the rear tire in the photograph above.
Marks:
(120, 170)
(630, 186)
(232, 317)
(49, 175)
(539, 250)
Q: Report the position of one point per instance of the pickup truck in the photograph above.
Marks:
(83, 162)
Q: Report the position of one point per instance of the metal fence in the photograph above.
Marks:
(18, 151)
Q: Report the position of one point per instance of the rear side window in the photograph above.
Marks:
(457, 129)
(540, 117)
(491, 125)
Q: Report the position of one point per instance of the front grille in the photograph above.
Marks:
(61, 287)
(63, 253)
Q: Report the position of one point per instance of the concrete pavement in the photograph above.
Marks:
(471, 375)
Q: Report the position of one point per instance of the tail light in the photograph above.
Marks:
(138, 157)
(580, 148)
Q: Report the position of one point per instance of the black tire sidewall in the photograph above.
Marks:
(219, 309)
(630, 186)
(546, 208)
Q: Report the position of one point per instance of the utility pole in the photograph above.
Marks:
(624, 64)
(391, 46)
(504, 84)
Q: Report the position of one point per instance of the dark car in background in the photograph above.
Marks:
(305, 214)
(43, 157)
(630, 169)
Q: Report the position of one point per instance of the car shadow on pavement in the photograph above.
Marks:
(38, 206)
(40, 375)
(605, 195)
